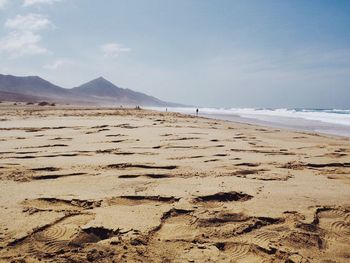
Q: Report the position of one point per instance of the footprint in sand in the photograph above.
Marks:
(56, 238)
(236, 250)
(337, 224)
(265, 238)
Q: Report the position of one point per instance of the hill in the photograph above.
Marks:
(103, 90)
(31, 85)
(98, 91)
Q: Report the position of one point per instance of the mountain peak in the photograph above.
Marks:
(103, 89)
(30, 85)
(101, 78)
(101, 81)
(99, 91)
(99, 87)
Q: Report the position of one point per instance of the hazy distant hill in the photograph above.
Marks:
(32, 85)
(103, 90)
(99, 91)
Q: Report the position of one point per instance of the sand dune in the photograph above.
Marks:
(124, 185)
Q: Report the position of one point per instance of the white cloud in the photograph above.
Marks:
(58, 63)
(112, 50)
(24, 38)
(3, 4)
(30, 22)
(34, 2)
(17, 44)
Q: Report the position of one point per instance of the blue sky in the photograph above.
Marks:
(222, 53)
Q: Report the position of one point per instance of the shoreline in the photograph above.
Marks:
(266, 124)
(291, 123)
(232, 119)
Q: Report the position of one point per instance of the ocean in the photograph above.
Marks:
(327, 121)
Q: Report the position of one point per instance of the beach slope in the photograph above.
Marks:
(124, 185)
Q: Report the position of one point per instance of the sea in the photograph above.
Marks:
(327, 121)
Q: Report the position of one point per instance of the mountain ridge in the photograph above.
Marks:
(99, 91)
(101, 88)
(30, 85)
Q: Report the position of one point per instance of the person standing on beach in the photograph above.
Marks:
(197, 112)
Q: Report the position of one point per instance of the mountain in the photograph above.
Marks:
(103, 90)
(98, 92)
(32, 85)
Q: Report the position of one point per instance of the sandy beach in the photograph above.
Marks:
(125, 185)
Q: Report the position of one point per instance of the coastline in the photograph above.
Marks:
(340, 132)
(295, 123)
(138, 185)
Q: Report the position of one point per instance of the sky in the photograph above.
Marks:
(222, 53)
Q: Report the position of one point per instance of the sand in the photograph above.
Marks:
(123, 185)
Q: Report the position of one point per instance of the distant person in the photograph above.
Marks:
(166, 109)
(197, 112)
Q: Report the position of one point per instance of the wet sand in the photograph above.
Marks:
(123, 185)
